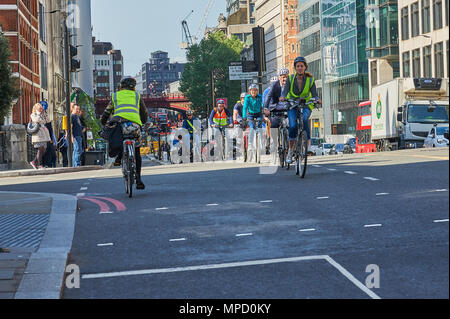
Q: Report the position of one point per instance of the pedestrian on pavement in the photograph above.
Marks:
(41, 138)
(49, 159)
(77, 136)
(84, 139)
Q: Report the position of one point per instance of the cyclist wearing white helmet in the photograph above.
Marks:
(238, 109)
(273, 95)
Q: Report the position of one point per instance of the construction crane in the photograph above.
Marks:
(187, 39)
(205, 16)
(186, 36)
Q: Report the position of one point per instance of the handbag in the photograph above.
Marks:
(33, 128)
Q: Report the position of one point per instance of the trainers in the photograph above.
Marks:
(139, 184)
(33, 165)
(289, 157)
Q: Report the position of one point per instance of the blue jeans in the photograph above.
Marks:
(77, 151)
(293, 127)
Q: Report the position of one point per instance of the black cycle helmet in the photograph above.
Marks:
(300, 59)
(128, 83)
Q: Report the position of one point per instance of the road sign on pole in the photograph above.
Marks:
(237, 73)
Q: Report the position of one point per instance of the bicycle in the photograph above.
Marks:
(282, 138)
(259, 145)
(221, 143)
(129, 163)
(300, 153)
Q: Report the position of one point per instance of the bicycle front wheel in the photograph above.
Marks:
(303, 154)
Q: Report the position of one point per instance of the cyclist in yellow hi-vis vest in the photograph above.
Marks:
(299, 85)
(127, 106)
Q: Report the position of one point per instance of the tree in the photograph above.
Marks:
(211, 54)
(8, 85)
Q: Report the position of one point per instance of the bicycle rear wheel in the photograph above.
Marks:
(130, 176)
(125, 172)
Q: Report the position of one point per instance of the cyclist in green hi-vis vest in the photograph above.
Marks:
(127, 106)
(299, 85)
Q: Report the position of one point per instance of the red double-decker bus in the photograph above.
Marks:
(364, 129)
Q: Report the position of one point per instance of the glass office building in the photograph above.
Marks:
(345, 71)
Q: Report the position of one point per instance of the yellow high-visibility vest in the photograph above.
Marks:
(126, 105)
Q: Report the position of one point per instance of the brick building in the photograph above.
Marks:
(290, 33)
(20, 24)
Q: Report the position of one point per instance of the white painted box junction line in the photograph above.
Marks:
(330, 260)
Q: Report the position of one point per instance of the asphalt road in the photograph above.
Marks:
(227, 231)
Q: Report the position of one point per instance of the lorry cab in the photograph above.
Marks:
(418, 117)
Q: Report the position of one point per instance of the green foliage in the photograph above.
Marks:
(87, 104)
(8, 85)
(213, 53)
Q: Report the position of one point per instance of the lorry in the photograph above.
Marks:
(405, 109)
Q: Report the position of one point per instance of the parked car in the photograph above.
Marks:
(337, 149)
(315, 144)
(324, 149)
(352, 143)
(436, 137)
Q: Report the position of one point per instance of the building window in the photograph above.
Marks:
(426, 27)
(437, 14)
(405, 24)
(415, 19)
(448, 61)
(406, 65)
(44, 67)
(42, 24)
(446, 11)
(416, 63)
(427, 69)
(439, 59)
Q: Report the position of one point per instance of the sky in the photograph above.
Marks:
(139, 27)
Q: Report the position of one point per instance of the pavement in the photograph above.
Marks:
(36, 233)
(47, 171)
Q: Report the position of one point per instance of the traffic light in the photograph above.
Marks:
(74, 63)
(259, 48)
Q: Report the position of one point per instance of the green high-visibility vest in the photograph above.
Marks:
(306, 91)
(126, 105)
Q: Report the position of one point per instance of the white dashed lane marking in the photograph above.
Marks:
(162, 208)
(350, 173)
(307, 230)
(209, 205)
(266, 201)
(440, 220)
(243, 235)
(371, 178)
(323, 197)
(104, 245)
(178, 239)
(373, 225)
(83, 188)
(381, 194)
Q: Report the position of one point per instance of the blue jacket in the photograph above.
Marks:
(273, 95)
(252, 105)
(188, 127)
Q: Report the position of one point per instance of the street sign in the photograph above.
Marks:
(237, 74)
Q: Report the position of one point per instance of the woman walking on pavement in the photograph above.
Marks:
(40, 139)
